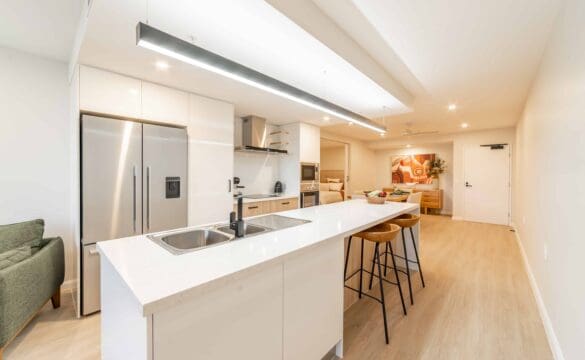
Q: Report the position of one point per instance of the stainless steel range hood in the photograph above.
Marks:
(255, 136)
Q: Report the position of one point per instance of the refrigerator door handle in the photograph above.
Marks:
(148, 197)
(134, 197)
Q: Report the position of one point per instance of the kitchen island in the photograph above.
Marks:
(277, 295)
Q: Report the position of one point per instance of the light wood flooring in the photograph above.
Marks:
(477, 305)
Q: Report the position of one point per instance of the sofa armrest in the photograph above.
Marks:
(26, 286)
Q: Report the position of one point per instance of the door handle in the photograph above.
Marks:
(148, 197)
(467, 184)
(229, 185)
(134, 197)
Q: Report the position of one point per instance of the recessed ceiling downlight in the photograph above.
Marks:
(452, 107)
(162, 65)
(464, 125)
(163, 43)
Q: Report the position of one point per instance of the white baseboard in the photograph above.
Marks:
(553, 341)
(456, 218)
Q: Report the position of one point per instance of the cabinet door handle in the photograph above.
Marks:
(285, 203)
(252, 207)
(134, 197)
(229, 185)
(148, 197)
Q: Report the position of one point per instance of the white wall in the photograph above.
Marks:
(257, 172)
(333, 158)
(460, 141)
(443, 151)
(362, 163)
(550, 174)
(35, 153)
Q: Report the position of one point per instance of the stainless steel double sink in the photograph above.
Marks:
(184, 241)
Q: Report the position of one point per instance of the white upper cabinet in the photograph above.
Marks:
(165, 105)
(109, 93)
(310, 143)
(211, 160)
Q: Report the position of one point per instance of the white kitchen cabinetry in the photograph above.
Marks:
(211, 160)
(310, 143)
(291, 309)
(313, 302)
(109, 93)
(164, 104)
(242, 317)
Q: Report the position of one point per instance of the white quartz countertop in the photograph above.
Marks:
(282, 197)
(159, 279)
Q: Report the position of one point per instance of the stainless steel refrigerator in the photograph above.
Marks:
(133, 181)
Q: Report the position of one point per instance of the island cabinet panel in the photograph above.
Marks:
(241, 317)
(125, 332)
(313, 301)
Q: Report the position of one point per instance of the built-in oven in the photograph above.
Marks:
(309, 198)
(309, 172)
(309, 194)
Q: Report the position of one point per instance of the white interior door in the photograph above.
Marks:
(487, 184)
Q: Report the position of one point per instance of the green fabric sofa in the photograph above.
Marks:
(32, 270)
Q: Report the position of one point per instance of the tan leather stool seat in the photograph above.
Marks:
(380, 233)
(405, 220)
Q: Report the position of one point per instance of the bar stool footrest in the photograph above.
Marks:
(364, 294)
(352, 275)
(402, 257)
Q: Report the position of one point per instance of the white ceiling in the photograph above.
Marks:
(331, 144)
(252, 33)
(45, 28)
(481, 55)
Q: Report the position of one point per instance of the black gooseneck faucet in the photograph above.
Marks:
(238, 225)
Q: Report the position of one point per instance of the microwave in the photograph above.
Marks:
(309, 172)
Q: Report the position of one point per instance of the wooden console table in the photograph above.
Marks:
(431, 199)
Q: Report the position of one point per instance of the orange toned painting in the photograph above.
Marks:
(412, 168)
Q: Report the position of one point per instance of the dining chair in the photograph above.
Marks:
(415, 198)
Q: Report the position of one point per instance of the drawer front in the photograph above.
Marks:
(288, 204)
(284, 204)
(253, 209)
(431, 204)
(431, 195)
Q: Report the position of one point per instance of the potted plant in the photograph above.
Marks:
(437, 167)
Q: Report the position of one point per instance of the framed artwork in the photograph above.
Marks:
(412, 168)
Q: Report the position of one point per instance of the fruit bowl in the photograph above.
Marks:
(376, 200)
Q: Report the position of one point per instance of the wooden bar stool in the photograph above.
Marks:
(380, 234)
(406, 221)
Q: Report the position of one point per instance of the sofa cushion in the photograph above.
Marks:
(14, 256)
(28, 233)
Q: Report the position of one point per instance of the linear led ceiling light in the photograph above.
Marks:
(163, 43)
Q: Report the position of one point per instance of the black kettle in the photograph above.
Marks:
(278, 188)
